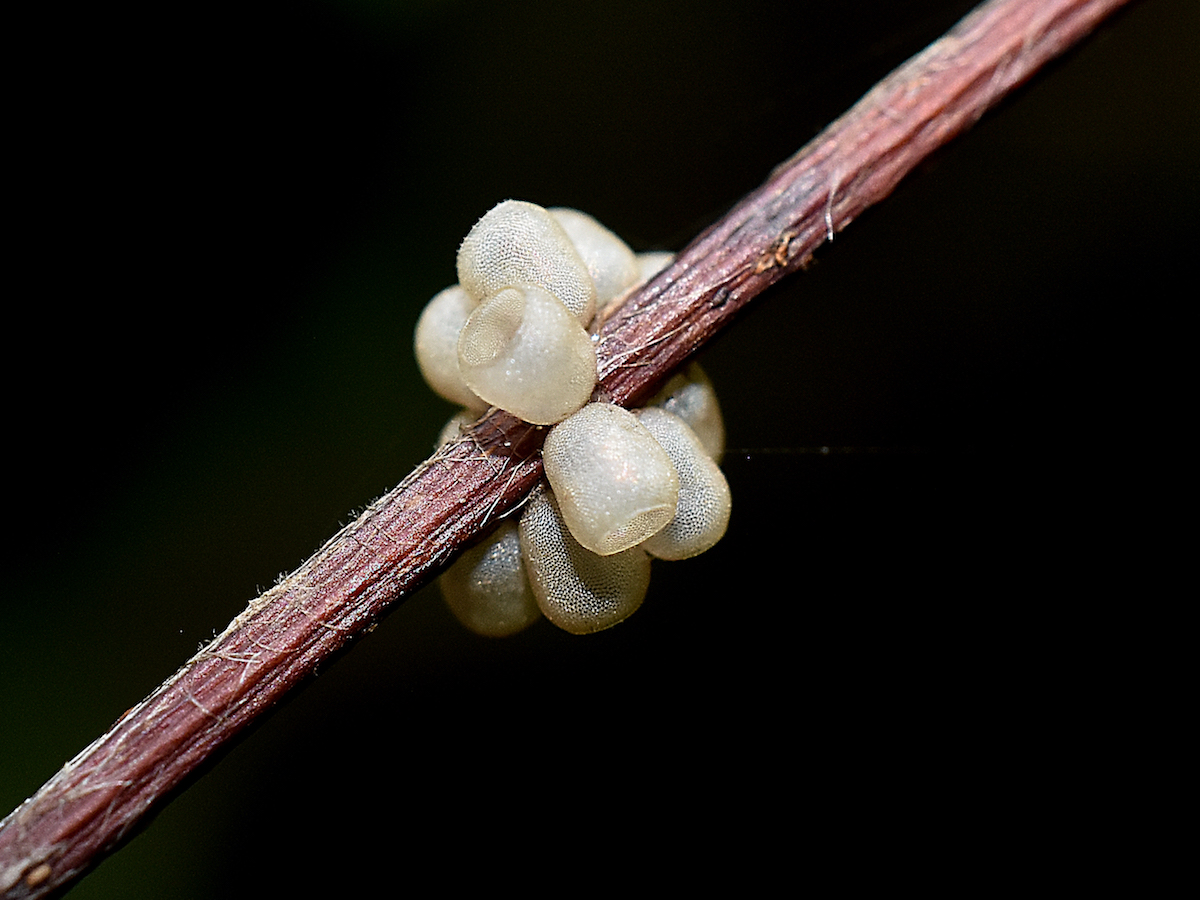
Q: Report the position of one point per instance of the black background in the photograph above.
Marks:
(227, 221)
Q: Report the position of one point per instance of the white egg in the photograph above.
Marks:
(521, 350)
(648, 265)
(455, 426)
(651, 263)
(576, 589)
(611, 264)
(690, 395)
(487, 588)
(614, 482)
(436, 345)
(518, 243)
(702, 512)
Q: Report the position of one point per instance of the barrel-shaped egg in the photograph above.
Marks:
(610, 263)
(487, 588)
(702, 512)
(614, 482)
(436, 346)
(521, 350)
(690, 395)
(576, 589)
(652, 262)
(518, 243)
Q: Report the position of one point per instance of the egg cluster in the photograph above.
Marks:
(620, 486)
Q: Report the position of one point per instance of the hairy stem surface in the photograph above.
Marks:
(410, 534)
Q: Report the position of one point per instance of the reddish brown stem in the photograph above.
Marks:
(411, 533)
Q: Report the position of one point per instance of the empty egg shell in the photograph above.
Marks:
(487, 589)
(436, 346)
(521, 350)
(614, 482)
(576, 589)
(702, 513)
(690, 395)
(609, 260)
(518, 243)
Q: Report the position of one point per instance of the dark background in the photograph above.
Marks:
(228, 220)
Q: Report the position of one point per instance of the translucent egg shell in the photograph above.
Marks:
(690, 395)
(518, 243)
(648, 265)
(455, 426)
(436, 345)
(651, 263)
(614, 482)
(609, 260)
(702, 513)
(487, 588)
(579, 591)
(521, 350)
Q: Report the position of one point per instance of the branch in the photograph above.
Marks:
(406, 537)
